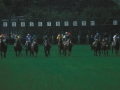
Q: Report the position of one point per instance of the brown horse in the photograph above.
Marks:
(34, 48)
(69, 46)
(97, 47)
(60, 45)
(105, 47)
(115, 46)
(47, 47)
(3, 48)
(18, 47)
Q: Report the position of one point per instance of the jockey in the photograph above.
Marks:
(58, 36)
(69, 35)
(17, 38)
(97, 36)
(28, 39)
(65, 36)
(69, 38)
(116, 37)
(48, 40)
(3, 38)
(34, 38)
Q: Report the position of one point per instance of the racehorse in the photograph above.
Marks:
(97, 47)
(3, 48)
(69, 46)
(60, 45)
(28, 48)
(18, 47)
(64, 47)
(34, 48)
(115, 45)
(47, 47)
(105, 47)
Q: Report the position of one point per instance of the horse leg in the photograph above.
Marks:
(1, 53)
(5, 54)
(99, 52)
(26, 52)
(112, 50)
(69, 53)
(49, 51)
(36, 52)
(31, 52)
(117, 52)
(94, 53)
(104, 52)
(16, 53)
(45, 52)
(64, 52)
(107, 51)
(19, 52)
(60, 51)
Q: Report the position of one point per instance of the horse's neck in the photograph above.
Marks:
(95, 43)
(46, 43)
(103, 43)
(60, 40)
(29, 44)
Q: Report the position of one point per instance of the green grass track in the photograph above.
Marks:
(83, 71)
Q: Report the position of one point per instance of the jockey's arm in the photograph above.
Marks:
(95, 37)
(114, 38)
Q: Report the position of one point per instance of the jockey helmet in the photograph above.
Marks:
(66, 32)
(28, 34)
(69, 33)
(97, 33)
(18, 37)
(58, 35)
(34, 36)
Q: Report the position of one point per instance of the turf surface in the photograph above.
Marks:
(83, 71)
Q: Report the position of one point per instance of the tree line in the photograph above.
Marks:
(59, 9)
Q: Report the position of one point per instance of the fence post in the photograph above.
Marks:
(78, 39)
(53, 39)
(87, 39)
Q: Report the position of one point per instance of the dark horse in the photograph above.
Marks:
(34, 48)
(18, 47)
(105, 47)
(28, 48)
(3, 48)
(47, 47)
(69, 46)
(61, 46)
(115, 45)
(97, 47)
